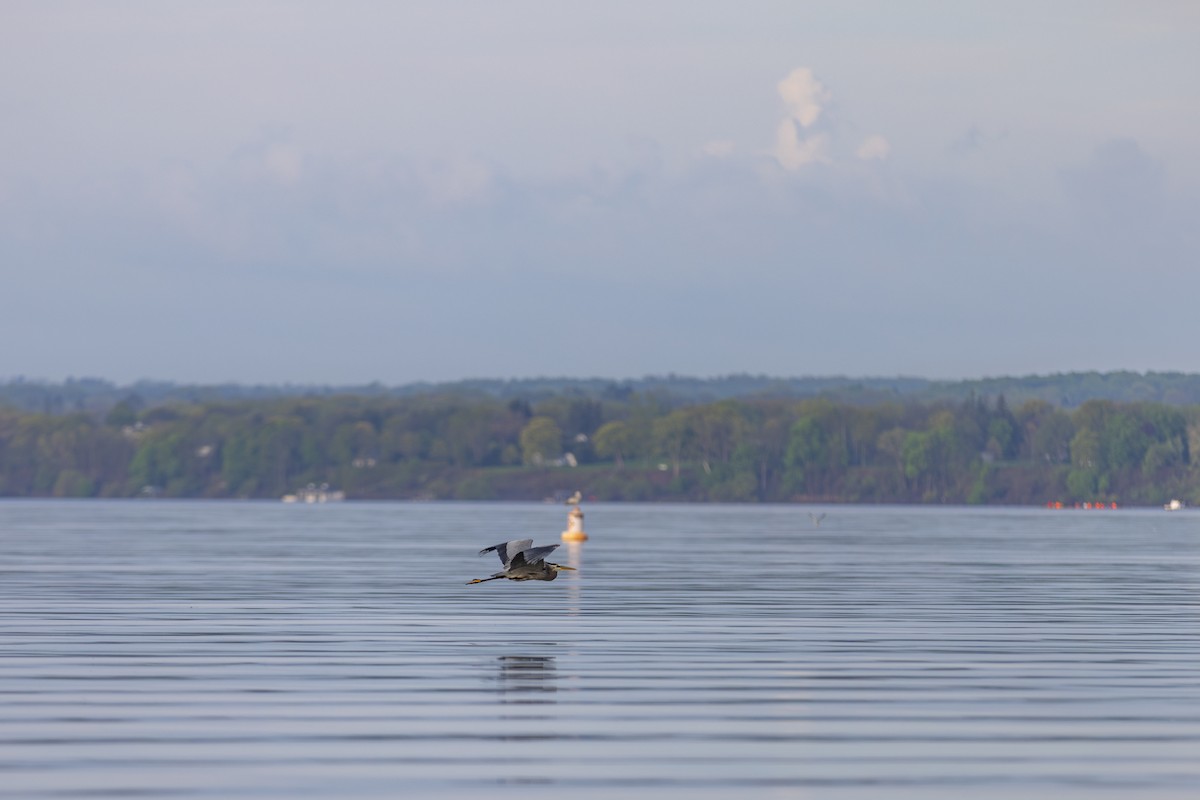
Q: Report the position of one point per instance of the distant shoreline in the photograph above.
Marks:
(617, 444)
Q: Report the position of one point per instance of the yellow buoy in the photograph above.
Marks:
(574, 531)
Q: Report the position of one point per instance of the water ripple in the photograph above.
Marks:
(258, 650)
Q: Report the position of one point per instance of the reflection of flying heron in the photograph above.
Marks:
(523, 562)
(574, 499)
(527, 674)
(816, 518)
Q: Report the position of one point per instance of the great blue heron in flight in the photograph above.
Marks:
(523, 562)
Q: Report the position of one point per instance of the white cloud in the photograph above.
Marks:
(874, 148)
(805, 98)
(795, 151)
(804, 95)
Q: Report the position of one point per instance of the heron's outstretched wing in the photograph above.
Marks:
(508, 550)
(532, 555)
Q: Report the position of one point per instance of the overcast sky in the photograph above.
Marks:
(327, 192)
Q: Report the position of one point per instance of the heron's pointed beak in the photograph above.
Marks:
(560, 566)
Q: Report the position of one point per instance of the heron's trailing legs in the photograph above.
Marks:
(554, 567)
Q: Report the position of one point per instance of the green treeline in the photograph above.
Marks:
(1064, 390)
(635, 447)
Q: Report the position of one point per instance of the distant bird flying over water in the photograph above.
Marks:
(816, 518)
(523, 562)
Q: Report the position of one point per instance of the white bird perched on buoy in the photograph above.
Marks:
(574, 499)
(575, 531)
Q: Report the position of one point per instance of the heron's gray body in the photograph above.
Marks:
(523, 562)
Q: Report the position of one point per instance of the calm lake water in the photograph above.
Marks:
(223, 650)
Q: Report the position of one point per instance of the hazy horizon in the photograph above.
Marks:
(33, 379)
(272, 193)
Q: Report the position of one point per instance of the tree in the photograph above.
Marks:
(1087, 465)
(612, 441)
(717, 428)
(468, 434)
(1124, 442)
(807, 453)
(238, 462)
(278, 450)
(1047, 432)
(767, 450)
(919, 458)
(158, 460)
(891, 444)
(123, 413)
(672, 436)
(541, 440)
(1086, 450)
(1001, 438)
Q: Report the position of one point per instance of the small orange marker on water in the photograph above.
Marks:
(574, 531)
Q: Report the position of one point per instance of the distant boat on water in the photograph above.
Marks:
(315, 494)
(1174, 505)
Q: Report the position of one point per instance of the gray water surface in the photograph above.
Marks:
(210, 649)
